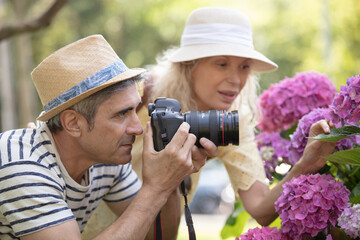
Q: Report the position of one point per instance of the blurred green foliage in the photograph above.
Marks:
(298, 35)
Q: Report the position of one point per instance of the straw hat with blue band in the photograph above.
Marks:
(219, 31)
(76, 71)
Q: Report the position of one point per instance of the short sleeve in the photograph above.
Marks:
(32, 198)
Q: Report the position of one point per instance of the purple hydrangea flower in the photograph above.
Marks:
(350, 221)
(345, 107)
(286, 102)
(263, 233)
(309, 204)
(298, 139)
(273, 149)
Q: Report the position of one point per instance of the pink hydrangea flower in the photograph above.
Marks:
(263, 233)
(309, 204)
(345, 107)
(286, 102)
(298, 139)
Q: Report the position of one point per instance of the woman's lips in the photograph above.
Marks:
(228, 96)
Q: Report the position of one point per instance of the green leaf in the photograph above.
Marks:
(324, 170)
(286, 133)
(276, 223)
(351, 156)
(355, 200)
(356, 190)
(277, 176)
(338, 233)
(235, 222)
(337, 134)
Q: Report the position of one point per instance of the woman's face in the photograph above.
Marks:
(217, 81)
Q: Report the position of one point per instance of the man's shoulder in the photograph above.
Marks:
(16, 135)
(27, 150)
(26, 143)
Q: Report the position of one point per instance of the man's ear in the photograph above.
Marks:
(73, 122)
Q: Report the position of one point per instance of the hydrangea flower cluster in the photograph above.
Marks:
(299, 139)
(273, 148)
(309, 204)
(263, 233)
(350, 221)
(286, 102)
(345, 105)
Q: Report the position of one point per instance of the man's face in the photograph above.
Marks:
(115, 127)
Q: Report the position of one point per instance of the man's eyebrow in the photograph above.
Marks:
(122, 111)
(129, 108)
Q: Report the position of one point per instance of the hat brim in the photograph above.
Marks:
(130, 73)
(192, 52)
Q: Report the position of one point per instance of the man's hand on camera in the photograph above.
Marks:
(164, 170)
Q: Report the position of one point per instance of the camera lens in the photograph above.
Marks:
(221, 127)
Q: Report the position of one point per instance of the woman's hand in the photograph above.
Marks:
(313, 158)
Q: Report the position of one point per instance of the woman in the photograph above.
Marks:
(214, 69)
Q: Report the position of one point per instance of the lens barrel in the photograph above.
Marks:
(221, 127)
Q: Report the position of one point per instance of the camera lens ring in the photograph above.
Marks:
(219, 126)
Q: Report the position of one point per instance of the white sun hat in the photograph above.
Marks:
(218, 31)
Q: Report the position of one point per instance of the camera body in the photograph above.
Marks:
(221, 127)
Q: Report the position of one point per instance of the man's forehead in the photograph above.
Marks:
(128, 95)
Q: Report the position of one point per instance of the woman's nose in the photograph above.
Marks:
(235, 78)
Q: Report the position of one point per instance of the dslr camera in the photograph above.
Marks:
(221, 127)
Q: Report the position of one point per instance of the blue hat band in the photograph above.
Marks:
(91, 82)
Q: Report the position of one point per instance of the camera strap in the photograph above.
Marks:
(187, 212)
(188, 219)
(158, 227)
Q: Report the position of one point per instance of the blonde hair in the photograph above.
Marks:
(172, 80)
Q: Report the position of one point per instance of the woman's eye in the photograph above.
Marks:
(244, 67)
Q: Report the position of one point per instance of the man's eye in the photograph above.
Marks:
(123, 114)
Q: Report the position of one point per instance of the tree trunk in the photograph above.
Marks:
(8, 115)
(25, 89)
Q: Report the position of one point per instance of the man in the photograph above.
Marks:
(53, 177)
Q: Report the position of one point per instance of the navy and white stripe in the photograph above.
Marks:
(36, 192)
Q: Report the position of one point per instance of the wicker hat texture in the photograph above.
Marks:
(76, 71)
(217, 31)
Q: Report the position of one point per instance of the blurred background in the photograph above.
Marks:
(319, 35)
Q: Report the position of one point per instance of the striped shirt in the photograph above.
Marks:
(36, 191)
